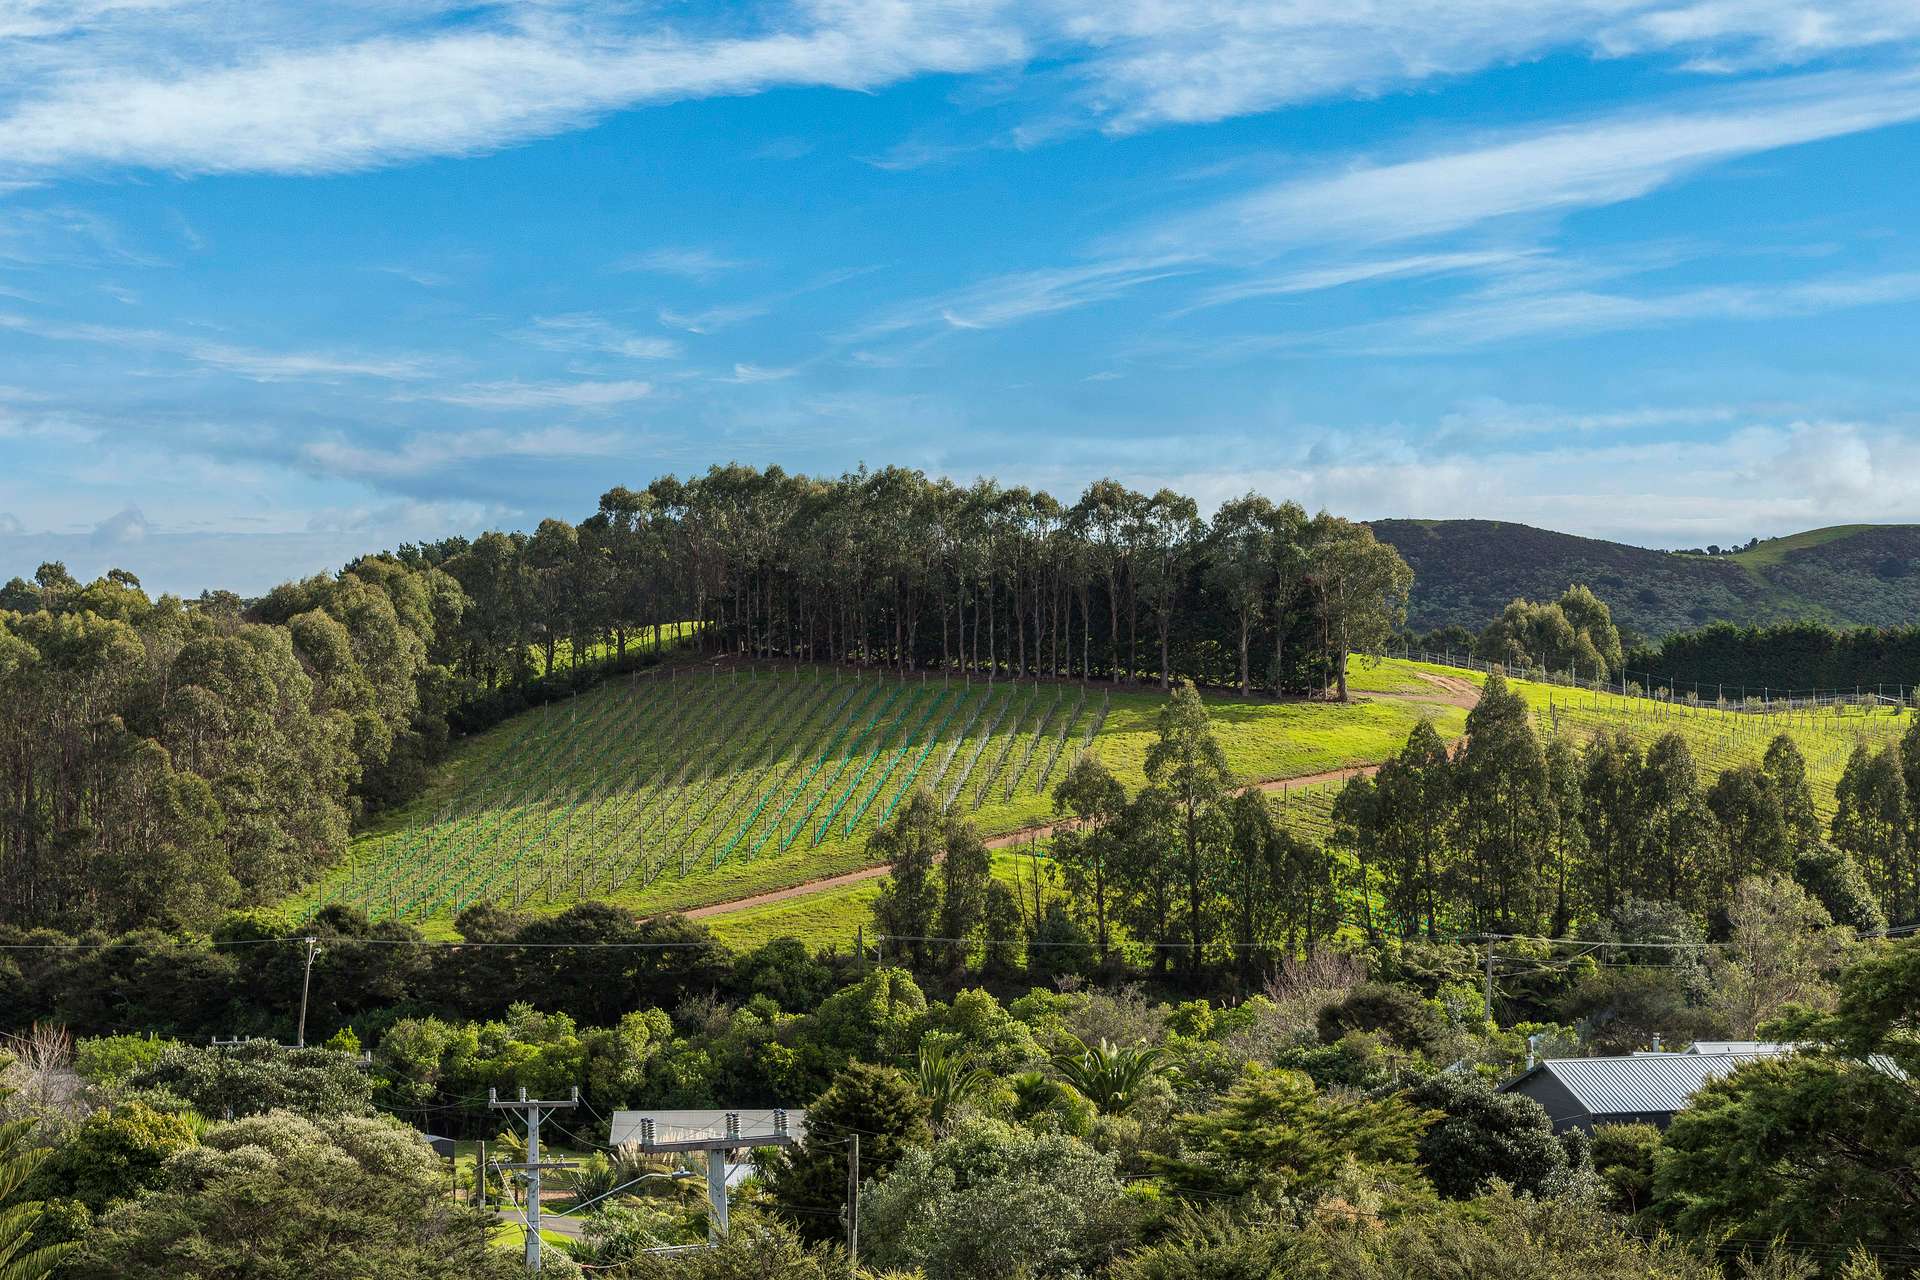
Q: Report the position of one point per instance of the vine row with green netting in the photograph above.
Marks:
(680, 775)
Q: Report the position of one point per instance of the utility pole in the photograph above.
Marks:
(1489, 986)
(306, 985)
(853, 1204)
(533, 1112)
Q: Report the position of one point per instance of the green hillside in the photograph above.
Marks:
(1465, 571)
(666, 793)
(709, 788)
(1719, 739)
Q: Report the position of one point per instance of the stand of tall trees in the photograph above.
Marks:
(892, 568)
(1513, 834)
(160, 761)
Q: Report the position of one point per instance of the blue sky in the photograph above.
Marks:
(283, 283)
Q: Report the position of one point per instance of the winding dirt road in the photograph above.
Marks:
(1452, 690)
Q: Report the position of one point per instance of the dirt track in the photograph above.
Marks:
(1010, 839)
(1454, 690)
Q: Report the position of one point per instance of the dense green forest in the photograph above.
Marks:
(164, 759)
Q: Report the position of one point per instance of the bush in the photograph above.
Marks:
(784, 970)
(114, 1154)
(110, 1061)
(1393, 1012)
(1484, 1135)
(1623, 1157)
(878, 1103)
(258, 1076)
(279, 1194)
(992, 1193)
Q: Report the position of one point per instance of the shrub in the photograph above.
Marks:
(1483, 1135)
(1392, 1011)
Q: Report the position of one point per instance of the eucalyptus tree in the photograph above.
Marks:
(1238, 567)
(1171, 535)
(1085, 851)
(1289, 556)
(1187, 765)
(1362, 585)
(1870, 823)
(1102, 518)
(552, 560)
(1502, 814)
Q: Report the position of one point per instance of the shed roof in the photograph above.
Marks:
(1641, 1083)
(683, 1126)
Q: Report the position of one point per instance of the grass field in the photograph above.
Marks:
(829, 918)
(669, 791)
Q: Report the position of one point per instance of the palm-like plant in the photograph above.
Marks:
(620, 1169)
(1113, 1077)
(947, 1079)
(19, 1260)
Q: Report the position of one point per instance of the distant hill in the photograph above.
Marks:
(1465, 571)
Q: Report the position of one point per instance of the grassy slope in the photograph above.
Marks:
(1775, 550)
(492, 778)
(1263, 740)
(1718, 739)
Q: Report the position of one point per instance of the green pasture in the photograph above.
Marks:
(669, 790)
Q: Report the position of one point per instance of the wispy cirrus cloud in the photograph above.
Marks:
(541, 395)
(1153, 62)
(1482, 321)
(1317, 278)
(690, 263)
(584, 331)
(336, 89)
(192, 88)
(713, 319)
(426, 453)
(247, 362)
(1276, 238)
(1022, 295)
(1541, 172)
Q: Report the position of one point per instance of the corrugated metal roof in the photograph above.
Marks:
(686, 1126)
(1641, 1083)
(1740, 1046)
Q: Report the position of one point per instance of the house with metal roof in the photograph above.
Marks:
(1579, 1093)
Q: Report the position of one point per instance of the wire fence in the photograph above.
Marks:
(1729, 697)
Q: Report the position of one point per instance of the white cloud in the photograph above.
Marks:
(1552, 171)
(586, 332)
(713, 319)
(322, 93)
(1022, 295)
(122, 528)
(1338, 275)
(1287, 229)
(226, 87)
(1554, 314)
(543, 395)
(1150, 62)
(10, 524)
(434, 452)
(759, 373)
(246, 362)
(692, 263)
